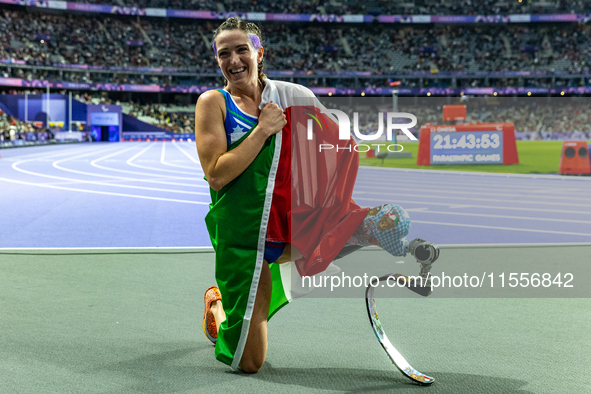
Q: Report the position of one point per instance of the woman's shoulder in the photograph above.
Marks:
(212, 94)
(211, 98)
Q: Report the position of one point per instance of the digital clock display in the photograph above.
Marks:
(467, 147)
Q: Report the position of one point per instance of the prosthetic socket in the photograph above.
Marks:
(387, 226)
(425, 252)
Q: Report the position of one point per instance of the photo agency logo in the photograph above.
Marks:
(344, 122)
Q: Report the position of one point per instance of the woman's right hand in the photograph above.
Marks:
(272, 119)
(220, 165)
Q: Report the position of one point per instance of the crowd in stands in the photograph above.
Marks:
(42, 40)
(559, 118)
(377, 7)
(556, 118)
(46, 39)
(177, 120)
(12, 129)
(552, 120)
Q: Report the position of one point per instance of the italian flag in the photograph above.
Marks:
(292, 192)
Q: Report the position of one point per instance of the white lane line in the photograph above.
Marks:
(525, 201)
(15, 167)
(171, 249)
(209, 249)
(108, 184)
(129, 162)
(515, 245)
(492, 191)
(481, 182)
(186, 154)
(50, 155)
(57, 162)
(513, 184)
(425, 210)
(64, 150)
(94, 164)
(504, 228)
(17, 163)
(497, 208)
(162, 156)
(73, 183)
(104, 193)
(481, 174)
(120, 178)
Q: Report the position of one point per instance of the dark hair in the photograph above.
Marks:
(235, 23)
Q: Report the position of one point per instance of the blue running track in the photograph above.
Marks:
(152, 194)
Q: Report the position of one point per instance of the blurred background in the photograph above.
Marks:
(152, 58)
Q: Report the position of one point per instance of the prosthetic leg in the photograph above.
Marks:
(390, 231)
(387, 226)
(426, 253)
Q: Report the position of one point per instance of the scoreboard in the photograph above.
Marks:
(475, 143)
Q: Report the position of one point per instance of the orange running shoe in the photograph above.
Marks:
(209, 327)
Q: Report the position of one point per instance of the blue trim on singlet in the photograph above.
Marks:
(237, 122)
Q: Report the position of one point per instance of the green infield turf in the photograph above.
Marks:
(535, 157)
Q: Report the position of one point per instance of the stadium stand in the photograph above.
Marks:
(534, 121)
(42, 39)
(119, 52)
(54, 47)
(347, 7)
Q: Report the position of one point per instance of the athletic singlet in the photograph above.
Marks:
(237, 124)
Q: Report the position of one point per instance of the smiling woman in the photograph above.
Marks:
(233, 133)
(228, 39)
(278, 205)
(238, 51)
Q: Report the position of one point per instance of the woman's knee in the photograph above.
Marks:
(252, 363)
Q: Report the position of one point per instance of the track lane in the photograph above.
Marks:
(448, 208)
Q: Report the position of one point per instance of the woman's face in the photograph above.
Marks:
(237, 57)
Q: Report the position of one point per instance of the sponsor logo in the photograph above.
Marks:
(443, 129)
(345, 125)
